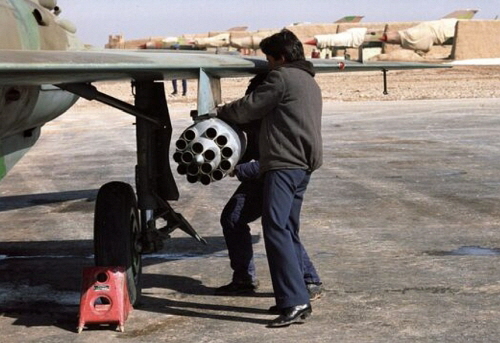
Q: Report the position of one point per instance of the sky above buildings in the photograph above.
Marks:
(97, 19)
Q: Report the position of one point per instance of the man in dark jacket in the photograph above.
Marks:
(244, 207)
(289, 104)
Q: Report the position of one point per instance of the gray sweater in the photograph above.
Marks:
(289, 103)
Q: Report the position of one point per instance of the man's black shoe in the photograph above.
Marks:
(290, 315)
(274, 310)
(315, 291)
(238, 288)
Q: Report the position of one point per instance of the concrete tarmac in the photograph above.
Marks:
(401, 222)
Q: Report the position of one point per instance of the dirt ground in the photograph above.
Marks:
(450, 83)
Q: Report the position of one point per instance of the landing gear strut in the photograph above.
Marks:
(125, 228)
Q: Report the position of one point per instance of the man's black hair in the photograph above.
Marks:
(283, 44)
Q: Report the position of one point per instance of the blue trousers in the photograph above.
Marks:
(244, 207)
(283, 195)
(184, 86)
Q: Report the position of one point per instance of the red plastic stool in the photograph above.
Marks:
(104, 298)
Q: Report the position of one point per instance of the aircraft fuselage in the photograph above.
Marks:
(30, 25)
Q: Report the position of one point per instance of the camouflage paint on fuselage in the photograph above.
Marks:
(27, 37)
(26, 25)
(3, 168)
(30, 25)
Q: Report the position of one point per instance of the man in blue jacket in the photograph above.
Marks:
(289, 105)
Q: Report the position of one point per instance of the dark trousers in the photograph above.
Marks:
(184, 86)
(244, 207)
(283, 195)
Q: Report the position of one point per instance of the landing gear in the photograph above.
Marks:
(125, 226)
(117, 233)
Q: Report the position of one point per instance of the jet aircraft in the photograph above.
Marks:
(250, 40)
(44, 69)
(185, 43)
(356, 36)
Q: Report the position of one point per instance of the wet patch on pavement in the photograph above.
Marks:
(467, 251)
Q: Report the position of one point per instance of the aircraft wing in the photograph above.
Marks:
(24, 67)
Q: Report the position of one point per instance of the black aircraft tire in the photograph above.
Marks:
(116, 233)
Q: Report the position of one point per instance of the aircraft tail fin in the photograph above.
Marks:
(461, 14)
(350, 19)
(238, 28)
